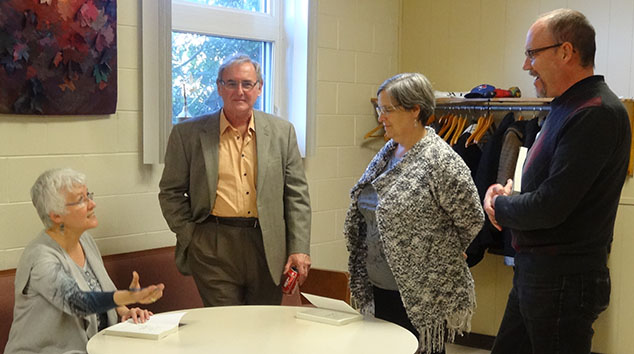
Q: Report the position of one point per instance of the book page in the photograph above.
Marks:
(519, 166)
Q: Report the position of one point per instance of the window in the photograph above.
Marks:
(249, 5)
(204, 32)
(200, 43)
(195, 66)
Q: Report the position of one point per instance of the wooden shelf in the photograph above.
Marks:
(518, 101)
(492, 102)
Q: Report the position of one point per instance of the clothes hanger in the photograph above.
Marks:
(370, 134)
(431, 119)
(475, 131)
(446, 124)
(459, 131)
(454, 131)
(461, 127)
(441, 119)
(454, 122)
(482, 131)
(487, 123)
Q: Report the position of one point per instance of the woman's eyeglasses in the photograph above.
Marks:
(386, 109)
(83, 199)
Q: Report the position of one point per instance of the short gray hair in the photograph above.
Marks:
(411, 90)
(239, 59)
(572, 26)
(48, 193)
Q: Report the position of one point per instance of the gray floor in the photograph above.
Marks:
(457, 349)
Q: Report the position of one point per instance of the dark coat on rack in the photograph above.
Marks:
(471, 154)
(521, 133)
(485, 176)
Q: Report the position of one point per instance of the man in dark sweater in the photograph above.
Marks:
(563, 220)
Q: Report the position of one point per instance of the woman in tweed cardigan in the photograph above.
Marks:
(413, 213)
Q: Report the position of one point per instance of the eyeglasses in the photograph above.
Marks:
(82, 200)
(386, 109)
(530, 53)
(233, 85)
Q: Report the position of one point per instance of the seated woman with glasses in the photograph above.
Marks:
(413, 214)
(63, 295)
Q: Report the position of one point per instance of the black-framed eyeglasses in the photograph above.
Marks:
(83, 199)
(386, 109)
(233, 85)
(530, 53)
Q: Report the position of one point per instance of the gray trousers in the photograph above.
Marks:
(229, 266)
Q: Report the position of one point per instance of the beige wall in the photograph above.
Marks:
(106, 148)
(460, 44)
(358, 46)
(357, 50)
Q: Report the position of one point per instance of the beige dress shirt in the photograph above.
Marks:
(237, 172)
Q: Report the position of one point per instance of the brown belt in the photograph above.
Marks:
(235, 222)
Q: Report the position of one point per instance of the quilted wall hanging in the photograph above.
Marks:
(58, 57)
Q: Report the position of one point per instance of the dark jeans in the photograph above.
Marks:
(548, 313)
(389, 306)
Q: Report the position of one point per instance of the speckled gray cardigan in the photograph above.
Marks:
(428, 213)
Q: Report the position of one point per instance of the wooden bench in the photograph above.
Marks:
(154, 266)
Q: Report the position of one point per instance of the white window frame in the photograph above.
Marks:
(293, 47)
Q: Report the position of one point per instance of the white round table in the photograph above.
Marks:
(263, 329)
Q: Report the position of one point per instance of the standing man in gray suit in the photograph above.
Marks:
(234, 192)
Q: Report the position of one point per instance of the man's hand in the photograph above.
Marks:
(301, 262)
(492, 193)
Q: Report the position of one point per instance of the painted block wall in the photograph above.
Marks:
(357, 50)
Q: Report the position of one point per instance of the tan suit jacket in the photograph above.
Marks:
(188, 186)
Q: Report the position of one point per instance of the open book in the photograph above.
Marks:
(331, 311)
(157, 327)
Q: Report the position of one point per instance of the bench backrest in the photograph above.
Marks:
(6, 305)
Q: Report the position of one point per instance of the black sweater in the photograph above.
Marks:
(563, 220)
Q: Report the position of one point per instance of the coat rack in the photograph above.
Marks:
(494, 104)
(480, 104)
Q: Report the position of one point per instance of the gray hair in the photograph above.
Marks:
(411, 90)
(239, 59)
(572, 26)
(48, 193)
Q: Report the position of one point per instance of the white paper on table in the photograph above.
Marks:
(157, 327)
(330, 311)
(330, 304)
